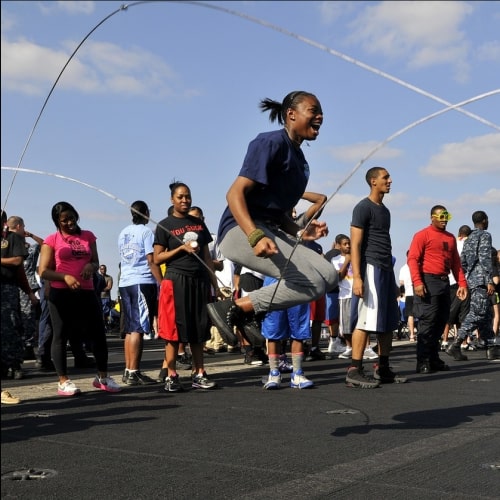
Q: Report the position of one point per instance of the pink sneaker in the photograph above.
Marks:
(106, 384)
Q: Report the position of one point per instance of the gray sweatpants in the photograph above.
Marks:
(304, 278)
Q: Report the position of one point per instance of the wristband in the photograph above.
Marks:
(255, 236)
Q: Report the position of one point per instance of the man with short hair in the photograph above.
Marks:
(374, 306)
(432, 255)
(13, 277)
(106, 294)
(459, 307)
(478, 268)
(29, 311)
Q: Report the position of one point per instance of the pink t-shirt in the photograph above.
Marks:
(71, 254)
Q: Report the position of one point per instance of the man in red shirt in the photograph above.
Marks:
(432, 255)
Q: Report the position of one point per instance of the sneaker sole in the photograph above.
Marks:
(361, 385)
(271, 387)
(68, 394)
(392, 381)
(173, 390)
(105, 388)
(221, 325)
(198, 386)
(139, 382)
(298, 386)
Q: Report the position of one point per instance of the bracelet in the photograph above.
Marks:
(255, 236)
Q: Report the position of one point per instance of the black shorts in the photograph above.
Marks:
(459, 308)
(408, 306)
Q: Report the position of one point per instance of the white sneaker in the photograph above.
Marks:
(335, 346)
(300, 381)
(67, 388)
(370, 354)
(273, 380)
(346, 354)
(106, 384)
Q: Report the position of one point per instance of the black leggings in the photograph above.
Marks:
(77, 314)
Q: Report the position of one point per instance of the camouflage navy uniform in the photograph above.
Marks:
(29, 311)
(12, 343)
(478, 269)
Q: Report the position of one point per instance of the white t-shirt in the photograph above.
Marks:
(460, 246)
(405, 277)
(345, 285)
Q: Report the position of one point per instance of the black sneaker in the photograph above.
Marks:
(184, 361)
(138, 378)
(172, 384)
(356, 378)
(493, 352)
(455, 352)
(29, 352)
(385, 375)
(225, 315)
(439, 365)
(252, 359)
(315, 354)
(162, 375)
(424, 367)
(256, 357)
(125, 376)
(203, 382)
(251, 326)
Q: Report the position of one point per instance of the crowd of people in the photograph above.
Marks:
(261, 286)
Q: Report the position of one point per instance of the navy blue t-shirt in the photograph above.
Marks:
(281, 171)
(375, 220)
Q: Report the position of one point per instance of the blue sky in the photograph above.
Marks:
(170, 90)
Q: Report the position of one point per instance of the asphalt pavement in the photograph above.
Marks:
(435, 437)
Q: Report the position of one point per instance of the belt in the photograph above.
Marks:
(442, 277)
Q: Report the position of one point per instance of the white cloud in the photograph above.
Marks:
(421, 33)
(474, 156)
(332, 11)
(489, 197)
(97, 67)
(68, 6)
(489, 51)
(77, 7)
(356, 152)
(28, 68)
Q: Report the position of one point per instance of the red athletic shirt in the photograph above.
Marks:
(434, 252)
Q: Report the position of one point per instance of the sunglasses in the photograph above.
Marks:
(443, 216)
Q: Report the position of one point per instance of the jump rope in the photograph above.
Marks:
(448, 107)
